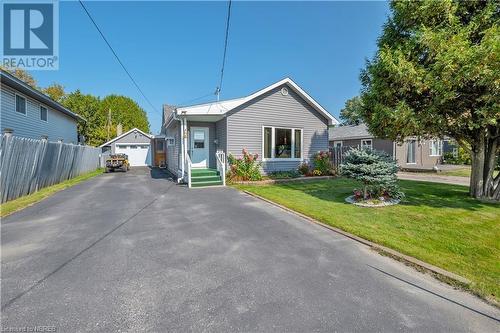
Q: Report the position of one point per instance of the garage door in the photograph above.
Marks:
(138, 154)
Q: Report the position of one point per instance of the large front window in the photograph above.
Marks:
(282, 143)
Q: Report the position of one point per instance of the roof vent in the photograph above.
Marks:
(284, 91)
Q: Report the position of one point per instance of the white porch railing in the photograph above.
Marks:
(188, 169)
(221, 165)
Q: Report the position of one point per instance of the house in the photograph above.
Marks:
(26, 112)
(413, 153)
(281, 123)
(134, 143)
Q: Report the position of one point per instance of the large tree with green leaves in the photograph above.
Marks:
(125, 111)
(437, 73)
(88, 107)
(352, 111)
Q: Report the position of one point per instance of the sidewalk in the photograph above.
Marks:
(435, 178)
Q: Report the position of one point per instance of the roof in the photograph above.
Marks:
(23, 87)
(349, 132)
(222, 107)
(125, 134)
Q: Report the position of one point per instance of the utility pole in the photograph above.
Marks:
(109, 122)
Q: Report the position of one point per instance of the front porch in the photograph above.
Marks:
(203, 159)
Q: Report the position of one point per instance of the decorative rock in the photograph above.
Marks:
(382, 203)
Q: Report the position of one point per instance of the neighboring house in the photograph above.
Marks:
(135, 143)
(26, 112)
(413, 153)
(281, 123)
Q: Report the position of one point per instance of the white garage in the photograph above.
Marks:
(135, 143)
(138, 154)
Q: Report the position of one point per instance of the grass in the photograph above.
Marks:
(436, 223)
(460, 172)
(28, 200)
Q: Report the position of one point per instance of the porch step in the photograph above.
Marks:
(201, 179)
(205, 177)
(206, 183)
(204, 172)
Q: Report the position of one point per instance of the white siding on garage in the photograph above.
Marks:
(58, 125)
(244, 126)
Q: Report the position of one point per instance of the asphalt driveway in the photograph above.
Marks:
(136, 252)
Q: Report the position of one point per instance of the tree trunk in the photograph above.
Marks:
(483, 154)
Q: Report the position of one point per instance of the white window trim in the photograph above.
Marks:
(25, 104)
(439, 148)
(273, 158)
(40, 114)
(337, 142)
(364, 146)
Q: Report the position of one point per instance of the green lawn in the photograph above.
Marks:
(23, 202)
(460, 172)
(436, 223)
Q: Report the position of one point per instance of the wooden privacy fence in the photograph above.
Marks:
(337, 156)
(27, 165)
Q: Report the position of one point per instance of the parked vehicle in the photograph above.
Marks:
(117, 162)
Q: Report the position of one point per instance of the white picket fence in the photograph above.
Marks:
(27, 165)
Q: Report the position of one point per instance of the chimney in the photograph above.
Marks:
(119, 129)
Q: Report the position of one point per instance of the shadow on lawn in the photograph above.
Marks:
(434, 195)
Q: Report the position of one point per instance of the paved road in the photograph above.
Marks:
(135, 252)
(434, 178)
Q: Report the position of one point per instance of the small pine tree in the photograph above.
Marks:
(372, 168)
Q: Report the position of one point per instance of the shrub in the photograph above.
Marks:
(244, 168)
(322, 163)
(316, 172)
(304, 168)
(461, 157)
(376, 170)
(284, 174)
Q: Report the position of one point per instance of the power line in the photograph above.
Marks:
(219, 88)
(116, 56)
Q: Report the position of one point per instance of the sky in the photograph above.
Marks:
(174, 49)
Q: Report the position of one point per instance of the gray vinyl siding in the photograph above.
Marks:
(378, 144)
(211, 136)
(173, 152)
(131, 138)
(244, 126)
(423, 159)
(221, 134)
(58, 125)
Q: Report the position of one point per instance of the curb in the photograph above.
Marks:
(441, 273)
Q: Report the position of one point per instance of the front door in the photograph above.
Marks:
(199, 147)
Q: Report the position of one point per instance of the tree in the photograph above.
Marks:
(55, 91)
(126, 111)
(88, 107)
(22, 75)
(351, 113)
(376, 170)
(437, 73)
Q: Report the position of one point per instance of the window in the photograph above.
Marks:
(367, 144)
(410, 151)
(43, 113)
(170, 141)
(436, 147)
(282, 143)
(337, 144)
(159, 145)
(133, 147)
(20, 104)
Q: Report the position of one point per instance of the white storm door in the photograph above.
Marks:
(199, 147)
